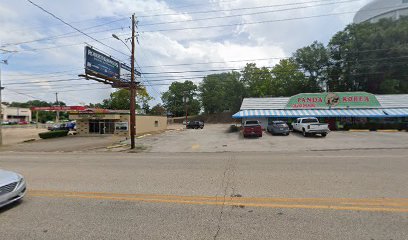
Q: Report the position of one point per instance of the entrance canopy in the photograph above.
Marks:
(372, 113)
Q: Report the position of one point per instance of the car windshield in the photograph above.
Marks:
(310, 120)
(204, 119)
(279, 123)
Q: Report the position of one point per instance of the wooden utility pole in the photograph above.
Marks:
(1, 108)
(56, 100)
(133, 89)
(1, 113)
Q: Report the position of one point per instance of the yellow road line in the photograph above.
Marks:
(373, 205)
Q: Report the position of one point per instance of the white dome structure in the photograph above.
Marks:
(378, 9)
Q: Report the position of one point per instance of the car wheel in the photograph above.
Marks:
(324, 134)
(305, 133)
(202, 127)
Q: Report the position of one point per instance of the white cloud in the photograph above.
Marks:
(21, 21)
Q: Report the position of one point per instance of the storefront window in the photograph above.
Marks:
(101, 126)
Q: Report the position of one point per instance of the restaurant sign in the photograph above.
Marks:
(333, 100)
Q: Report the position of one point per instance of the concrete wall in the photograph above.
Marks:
(8, 114)
(145, 124)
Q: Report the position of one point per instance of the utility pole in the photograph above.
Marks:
(1, 113)
(133, 89)
(1, 107)
(186, 100)
(56, 100)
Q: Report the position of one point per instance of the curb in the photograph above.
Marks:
(388, 130)
(359, 130)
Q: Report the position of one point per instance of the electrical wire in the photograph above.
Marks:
(246, 14)
(75, 28)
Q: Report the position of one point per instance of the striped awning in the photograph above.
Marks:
(396, 112)
(311, 113)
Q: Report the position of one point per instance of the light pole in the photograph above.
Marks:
(1, 107)
(132, 85)
(186, 100)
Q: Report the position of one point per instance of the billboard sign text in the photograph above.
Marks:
(102, 64)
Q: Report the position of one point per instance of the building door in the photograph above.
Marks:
(332, 124)
(102, 127)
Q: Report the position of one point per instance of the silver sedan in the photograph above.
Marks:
(12, 187)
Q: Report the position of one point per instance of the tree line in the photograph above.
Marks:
(371, 57)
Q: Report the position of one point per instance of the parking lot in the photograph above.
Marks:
(216, 138)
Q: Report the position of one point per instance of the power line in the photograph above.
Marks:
(202, 27)
(27, 95)
(233, 9)
(247, 14)
(178, 77)
(259, 22)
(65, 35)
(78, 30)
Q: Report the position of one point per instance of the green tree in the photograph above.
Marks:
(221, 92)
(288, 80)
(257, 81)
(120, 100)
(173, 98)
(370, 57)
(313, 60)
(158, 110)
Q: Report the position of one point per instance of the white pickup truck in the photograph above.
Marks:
(310, 126)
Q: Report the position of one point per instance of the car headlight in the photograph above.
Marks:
(21, 182)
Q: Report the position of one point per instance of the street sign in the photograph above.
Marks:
(101, 64)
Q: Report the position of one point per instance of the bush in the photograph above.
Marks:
(53, 134)
(234, 128)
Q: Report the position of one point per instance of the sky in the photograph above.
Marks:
(178, 40)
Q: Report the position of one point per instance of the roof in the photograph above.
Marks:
(372, 113)
(378, 8)
(393, 101)
(386, 101)
(264, 103)
(313, 113)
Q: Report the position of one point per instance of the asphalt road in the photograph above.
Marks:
(349, 194)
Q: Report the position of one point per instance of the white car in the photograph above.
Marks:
(12, 187)
(310, 126)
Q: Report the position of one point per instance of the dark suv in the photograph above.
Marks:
(195, 125)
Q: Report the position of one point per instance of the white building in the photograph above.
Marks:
(379, 9)
(14, 114)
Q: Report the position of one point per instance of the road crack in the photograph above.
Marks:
(229, 171)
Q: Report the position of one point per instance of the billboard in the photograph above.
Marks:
(125, 72)
(101, 64)
(333, 100)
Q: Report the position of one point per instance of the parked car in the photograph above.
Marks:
(23, 123)
(56, 127)
(49, 122)
(195, 125)
(12, 187)
(311, 126)
(278, 127)
(5, 123)
(252, 128)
